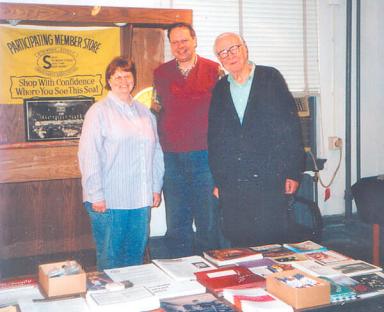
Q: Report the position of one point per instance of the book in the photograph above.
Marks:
(176, 289)
(339, 291)
(139, 275)
(263, 248)
(355, 267)
(266, 266)
(13, 290)
(305, 247)
(202, 302)
(277, 252)
(182, 269)
(12, 283)
(259, 267)
(155, 280)
(313, 268)
(133, 299)
(362, 290)
(327, 257)
(230, 256)
(233, 277)
(255, 300)
(77, 304)
(290, 258)
(368, 285)
(257, 263)
(100, 281)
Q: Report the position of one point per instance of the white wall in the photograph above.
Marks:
(332, 43)
(331, 110)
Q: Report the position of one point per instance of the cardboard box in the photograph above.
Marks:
(299, 298)
(61, 285)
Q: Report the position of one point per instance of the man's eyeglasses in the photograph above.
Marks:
(233, 50)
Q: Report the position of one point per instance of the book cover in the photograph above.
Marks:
(139, 275)
(369, 284)
(362, 290)
(263, 248)
(314, 268)
(355, 267)
(232, 276)
(135, 298)
(13, 283)
(99, 281)
(229, 256)
(305, 247)
(327, 257)
(257, 263)
(277, 252)
(182, 269)
(176, 289)
(340, 291)
(291, 258)
(255, 300)
(203, 302)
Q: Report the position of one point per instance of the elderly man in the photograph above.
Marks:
(254, 145)
(183, 87)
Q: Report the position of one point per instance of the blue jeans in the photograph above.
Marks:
(120, 236)
(188, 186)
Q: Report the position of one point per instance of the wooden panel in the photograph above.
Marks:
(34, 162)
(42, 218)
(89, 14)
(147, 53)
(12, 127)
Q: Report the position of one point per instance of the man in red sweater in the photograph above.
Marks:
(183, 90)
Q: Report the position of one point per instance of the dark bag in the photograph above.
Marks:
(304, 220)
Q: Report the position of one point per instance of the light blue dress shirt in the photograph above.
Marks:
(240, 92)
(120, 157)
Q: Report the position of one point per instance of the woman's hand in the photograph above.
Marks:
(99, 206)
(156, 200)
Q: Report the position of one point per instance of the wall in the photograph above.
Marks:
(331, 110)
(332, 43)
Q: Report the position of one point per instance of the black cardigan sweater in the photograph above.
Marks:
(267, 147)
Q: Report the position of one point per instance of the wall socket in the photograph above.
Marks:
(335, 143)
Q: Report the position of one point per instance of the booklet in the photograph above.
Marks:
(183, 269)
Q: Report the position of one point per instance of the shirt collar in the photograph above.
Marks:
(250, 77)
(119, 102)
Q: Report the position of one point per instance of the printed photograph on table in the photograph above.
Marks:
(48, 119)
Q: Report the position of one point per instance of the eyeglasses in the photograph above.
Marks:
(122, 78)
(233, 50)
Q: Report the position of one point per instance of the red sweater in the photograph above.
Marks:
(183, 119)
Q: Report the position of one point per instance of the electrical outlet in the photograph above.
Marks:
(335, 143)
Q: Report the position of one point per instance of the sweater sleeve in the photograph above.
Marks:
(291, 146)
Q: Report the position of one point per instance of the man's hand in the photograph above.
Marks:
(156, 200)
(291, 186)
(215, 192)
(99, 206)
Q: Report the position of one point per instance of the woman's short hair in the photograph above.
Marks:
(121, 63)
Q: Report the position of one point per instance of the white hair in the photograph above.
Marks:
(229, 34)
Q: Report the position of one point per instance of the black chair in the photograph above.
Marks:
(368, 194)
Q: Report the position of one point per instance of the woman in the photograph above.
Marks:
(122, 169)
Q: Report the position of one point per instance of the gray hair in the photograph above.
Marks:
(229, 34)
